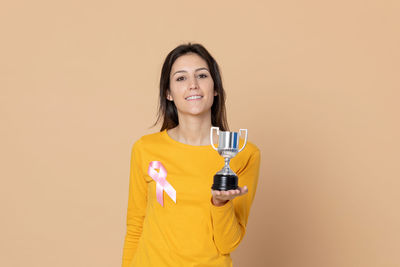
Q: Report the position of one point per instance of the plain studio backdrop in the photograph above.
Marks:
(316, 83)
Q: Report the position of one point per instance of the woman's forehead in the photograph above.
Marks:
(189, 62)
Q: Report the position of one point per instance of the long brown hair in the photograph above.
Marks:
(167, 111)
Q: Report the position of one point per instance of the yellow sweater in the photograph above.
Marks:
(192, 231)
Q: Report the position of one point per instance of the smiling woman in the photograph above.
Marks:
(174, 218)
(174, 71)
(191, 87)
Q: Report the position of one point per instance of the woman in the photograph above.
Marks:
(182, 222)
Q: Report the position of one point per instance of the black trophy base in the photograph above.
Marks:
(223, 182)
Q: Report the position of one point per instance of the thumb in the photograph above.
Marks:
(244, 190)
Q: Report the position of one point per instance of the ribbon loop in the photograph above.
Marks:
(161, 181)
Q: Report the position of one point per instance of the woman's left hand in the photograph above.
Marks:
(220, 198)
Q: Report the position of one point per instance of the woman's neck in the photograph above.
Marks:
(192, 130)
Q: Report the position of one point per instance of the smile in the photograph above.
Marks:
(193, 97)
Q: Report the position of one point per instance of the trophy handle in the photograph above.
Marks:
(245, 138)
(211, 136)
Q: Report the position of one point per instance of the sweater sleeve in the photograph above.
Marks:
(137, 202)
(229, 221)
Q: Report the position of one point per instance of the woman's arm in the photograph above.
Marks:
(229, 220)
(137, 202)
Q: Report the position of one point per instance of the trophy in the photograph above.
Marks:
(228, 147)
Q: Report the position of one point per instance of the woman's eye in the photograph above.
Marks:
(203, 75)
(180, 78)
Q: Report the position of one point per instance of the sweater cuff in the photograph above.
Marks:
(222, 210)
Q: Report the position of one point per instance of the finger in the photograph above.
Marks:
(234, 192)
(222, 195)
(243, 190)
(215, 192)
(222, 198)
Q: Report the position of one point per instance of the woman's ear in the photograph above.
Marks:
(169, 96)
(215, 93)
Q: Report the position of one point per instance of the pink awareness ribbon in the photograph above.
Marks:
(161, 182)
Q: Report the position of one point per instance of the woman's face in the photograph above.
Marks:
(191, 85)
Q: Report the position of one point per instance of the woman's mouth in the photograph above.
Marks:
(193, 97)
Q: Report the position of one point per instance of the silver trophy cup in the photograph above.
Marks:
(228, 147)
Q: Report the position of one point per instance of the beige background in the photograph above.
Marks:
(315, 82)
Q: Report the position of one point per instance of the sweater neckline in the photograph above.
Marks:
(183, 145)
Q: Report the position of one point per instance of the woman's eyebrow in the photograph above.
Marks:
(203, 68)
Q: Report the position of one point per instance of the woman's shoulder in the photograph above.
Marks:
(149, 139)
(250, 148)
(249, 157)
(250, 153)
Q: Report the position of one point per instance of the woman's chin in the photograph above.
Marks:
(195, 112)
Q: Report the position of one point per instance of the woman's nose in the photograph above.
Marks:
(193, 83)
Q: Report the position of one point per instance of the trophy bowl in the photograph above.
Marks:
(228, 147)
